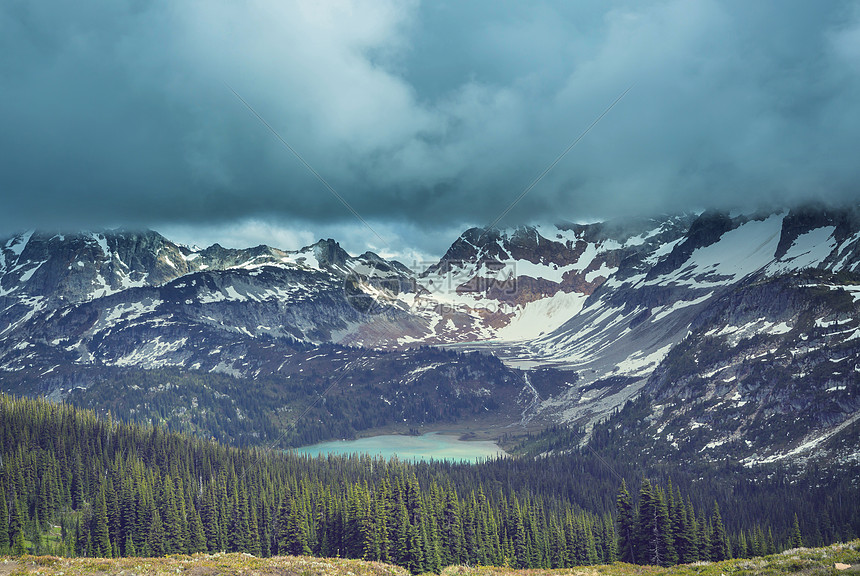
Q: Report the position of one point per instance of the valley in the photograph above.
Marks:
(709, 361)
(429, 287)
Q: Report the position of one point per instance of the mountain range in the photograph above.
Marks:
(742, 331)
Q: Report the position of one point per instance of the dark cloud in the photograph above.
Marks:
(423, 116)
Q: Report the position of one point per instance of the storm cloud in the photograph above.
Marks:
(423, 116)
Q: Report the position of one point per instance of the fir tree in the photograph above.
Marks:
(292, 535)
(719, 542)
(796, 539)
(100, 534)
(626, 525)
(664, 525)
(693, 545)
(704, 537)
(648, 531)
(401, 531)
(155, 542)
(197, 537)
(129, 549)
(16, 529)
(4, 521)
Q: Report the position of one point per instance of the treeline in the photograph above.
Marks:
(115, 489)
(72, 483)
(663, 529)
(240, 411)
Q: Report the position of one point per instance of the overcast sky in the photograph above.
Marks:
(424, 117)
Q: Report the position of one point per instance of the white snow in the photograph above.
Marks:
(127, 311)
(738, 253)
(211, 297)
(408, 378)
(735, 334)
(305, 257)
(639, 361)
(17, 244)
(666, 310)
(232, 294)
(153, 354)
(25, 277)
(807, 251)
(543, 316)
(102, 243)
(781, 328)
(604, 271)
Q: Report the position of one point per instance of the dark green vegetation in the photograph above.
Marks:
(72, 483)
(825, 497)
(344, 390)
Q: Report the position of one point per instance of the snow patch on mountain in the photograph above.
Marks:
(808, 251)
(542, 316)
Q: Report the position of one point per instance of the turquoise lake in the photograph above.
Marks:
(433, 445)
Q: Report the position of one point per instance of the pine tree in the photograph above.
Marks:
(680, 532)
(129, 549)
(174, 538)
(432, 560)
(239, 535)
(16, 529)
(414, 561)
(292, 533)
(740, 549)
(693, 545)
(610, 546)
(626, 525)
(128, 522)
(520, 537)
(77, 482)
(704, 537)
(664, 526)
(197, 538)
(719, 542)
(100, 533)
(648, 531)
(4, 521)
(211, 523)
(401, 532)
(382, 520)
(254, 546)
(796, 540)
(34, 535)
(82, 537)
(155, 540)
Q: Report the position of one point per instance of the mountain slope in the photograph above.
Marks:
(733, 323)
(767, 299)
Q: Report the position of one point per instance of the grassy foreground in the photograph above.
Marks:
(800, 561)
(835, 559)
(197, 565)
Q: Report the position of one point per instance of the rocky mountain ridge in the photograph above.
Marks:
(731, 322)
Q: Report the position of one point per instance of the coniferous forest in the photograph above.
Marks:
(73, 483)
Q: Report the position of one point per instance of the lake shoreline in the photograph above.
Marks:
(431, 445)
